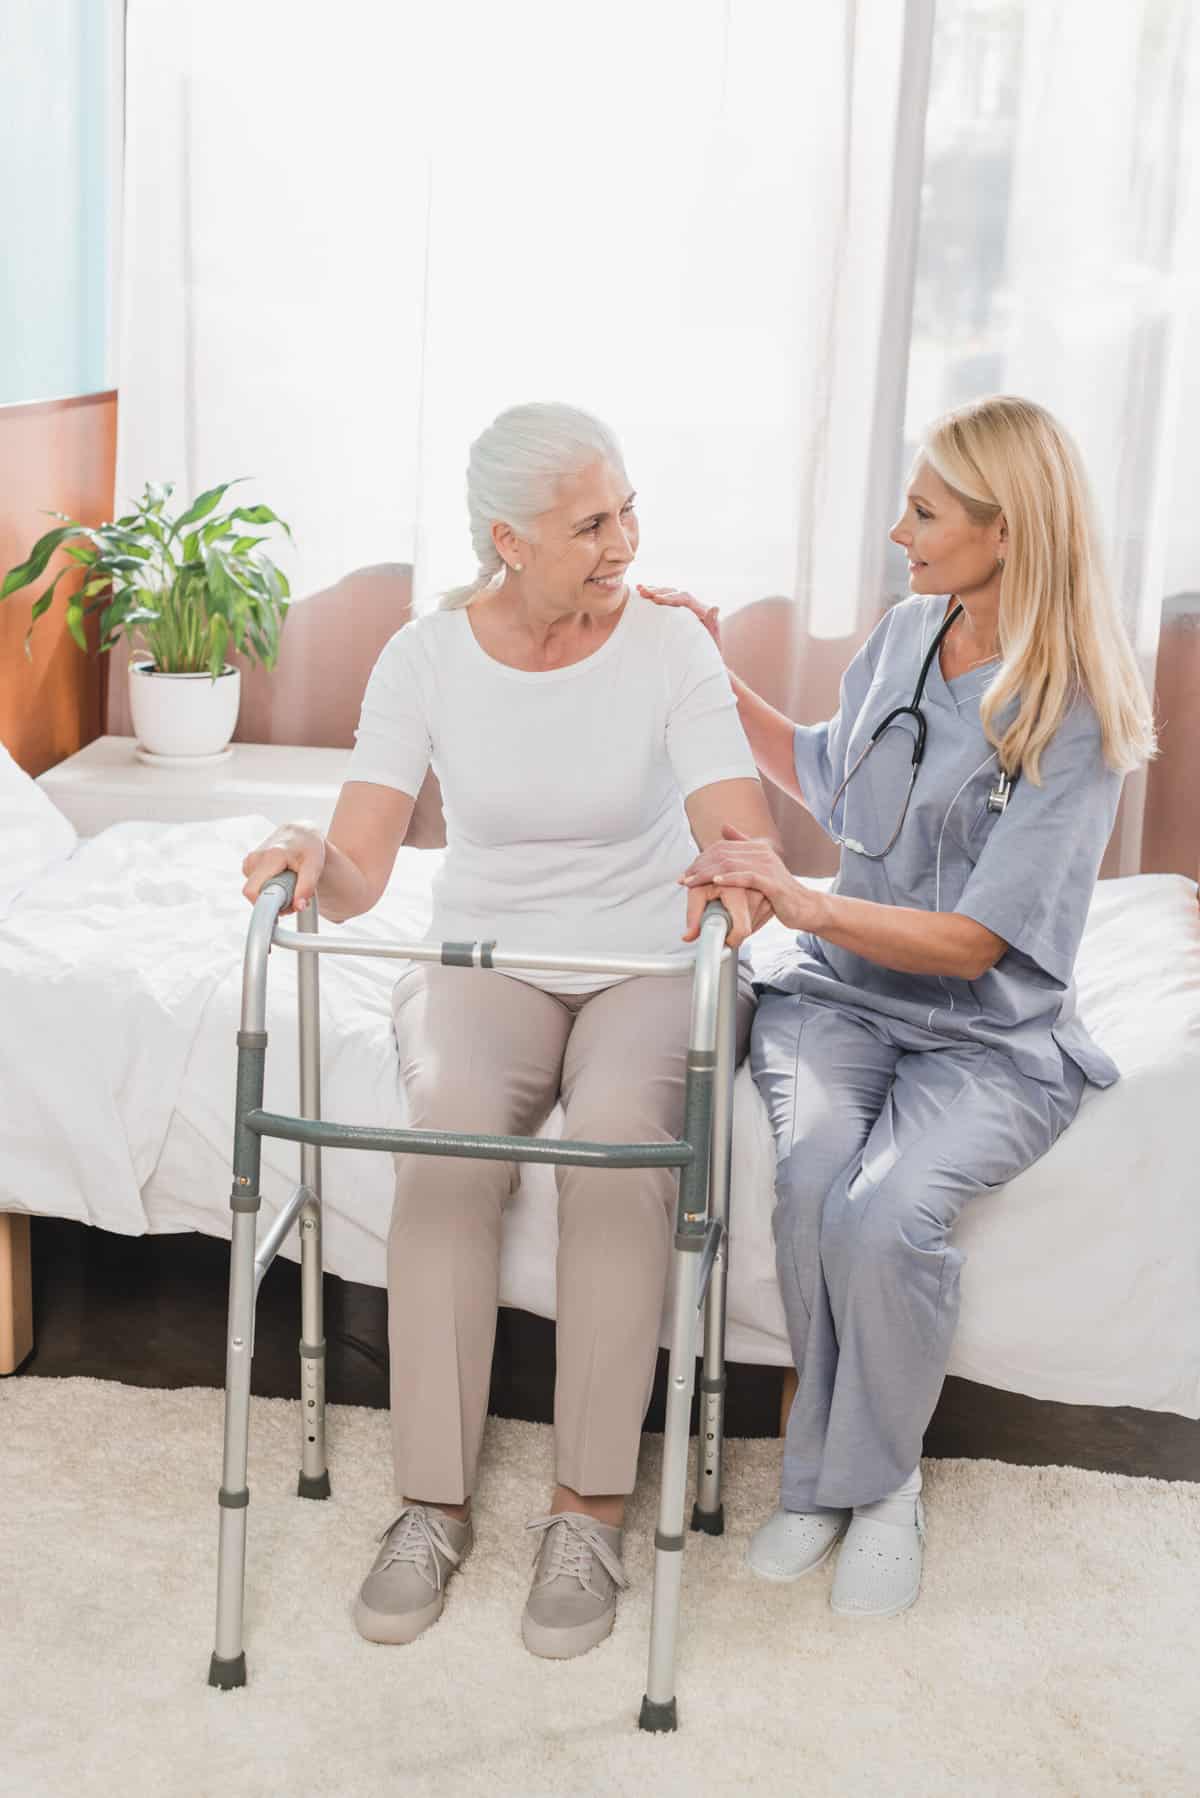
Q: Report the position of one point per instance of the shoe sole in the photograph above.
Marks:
(789, 1579)
(392, 1630)
(564, 1644)
(894, 1610)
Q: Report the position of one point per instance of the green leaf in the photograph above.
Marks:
(191, 546)
(224, 596)
(244, 543)
(218, 638)
(41, 604)
(156, 495)
(86, 555)
(123, 563)
(212, 533)
(75, 623)
(260, 515)
(204, 503)
(35, 564)
(113, 541)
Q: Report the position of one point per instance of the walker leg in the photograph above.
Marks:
(314, 1474)
(708, 1512)
(658, 1705)
(658, 1710)
(227, 1668)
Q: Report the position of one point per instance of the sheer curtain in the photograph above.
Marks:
(351, 239)
(767, 242)
(1059, 257)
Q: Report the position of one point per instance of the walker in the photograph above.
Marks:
(702, 1156)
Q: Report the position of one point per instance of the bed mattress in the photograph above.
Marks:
(120, 983)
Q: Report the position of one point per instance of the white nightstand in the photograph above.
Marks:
(106, 784)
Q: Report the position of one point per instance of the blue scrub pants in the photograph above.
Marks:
(881, 1139)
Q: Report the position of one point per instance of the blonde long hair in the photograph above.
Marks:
(1060, 630)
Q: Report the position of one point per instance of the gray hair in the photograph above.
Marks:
(513, 474)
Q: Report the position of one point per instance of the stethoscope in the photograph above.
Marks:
(997, 799)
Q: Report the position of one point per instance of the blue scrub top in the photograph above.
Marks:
(1027, 873)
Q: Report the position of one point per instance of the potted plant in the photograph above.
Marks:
(185, 591)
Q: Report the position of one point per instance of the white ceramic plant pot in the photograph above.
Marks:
(183, 714)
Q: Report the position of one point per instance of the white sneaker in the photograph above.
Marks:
(879, 1568)
(793, 1543)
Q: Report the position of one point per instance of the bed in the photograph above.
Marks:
(119, 987)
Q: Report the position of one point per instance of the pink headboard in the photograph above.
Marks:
(331, 641)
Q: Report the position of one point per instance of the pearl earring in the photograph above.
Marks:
(999, 564)
(518, 568)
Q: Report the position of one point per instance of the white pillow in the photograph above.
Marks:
(34, 836)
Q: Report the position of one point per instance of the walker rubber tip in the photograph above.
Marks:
(227, 1675)
(658, 1717)
(313, 1485)
(710, 1523)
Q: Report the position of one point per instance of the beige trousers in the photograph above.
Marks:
(481, 1051)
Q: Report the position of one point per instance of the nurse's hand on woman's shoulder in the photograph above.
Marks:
(674, 596)
(740, 866)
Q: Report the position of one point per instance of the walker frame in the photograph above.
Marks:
(701, 1154)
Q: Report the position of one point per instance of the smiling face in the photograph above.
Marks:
(948, 551)
(583, 545)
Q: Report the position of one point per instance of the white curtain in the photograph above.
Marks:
(352, 237)
(1060, 258)
(767, 241)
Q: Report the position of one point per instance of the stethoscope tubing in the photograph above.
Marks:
(997, 799)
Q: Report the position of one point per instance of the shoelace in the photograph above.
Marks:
(419, 1539)
(573, 1542)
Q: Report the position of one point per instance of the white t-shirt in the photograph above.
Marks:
(562, 791)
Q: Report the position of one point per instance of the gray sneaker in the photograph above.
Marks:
(577, 1574)
(406, 1587)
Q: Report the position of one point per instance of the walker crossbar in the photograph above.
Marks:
(475, 1148)
(702, 1156)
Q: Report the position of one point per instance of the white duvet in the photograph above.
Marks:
(120, 979)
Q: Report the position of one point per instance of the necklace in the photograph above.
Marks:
(992, 656)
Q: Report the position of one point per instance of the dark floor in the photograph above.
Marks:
(150, 1311)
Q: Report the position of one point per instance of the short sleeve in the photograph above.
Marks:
(705, 739)
(392, 745)
(819, 750)
(1034, 881)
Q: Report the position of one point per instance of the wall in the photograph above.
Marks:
(56, 456)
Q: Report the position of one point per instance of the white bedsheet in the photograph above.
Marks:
(120, 988)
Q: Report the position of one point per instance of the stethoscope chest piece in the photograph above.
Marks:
(1001, 793)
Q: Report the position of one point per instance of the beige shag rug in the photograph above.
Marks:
(1055, 1648)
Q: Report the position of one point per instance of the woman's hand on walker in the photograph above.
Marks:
(740, 865)
(674, 596)
(296, 846)
(748, 912)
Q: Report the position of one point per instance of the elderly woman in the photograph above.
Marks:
(919, 1043)
(587, 742)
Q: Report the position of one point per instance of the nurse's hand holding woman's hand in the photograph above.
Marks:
(741, 866)
(748, 912)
